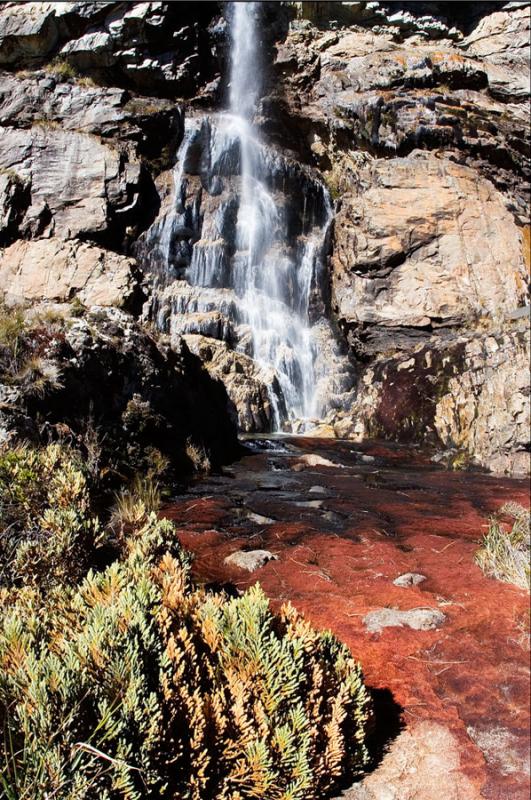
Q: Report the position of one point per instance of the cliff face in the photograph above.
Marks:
(421, 131)
(414, 115)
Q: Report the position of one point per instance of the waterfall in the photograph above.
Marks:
(256, 241)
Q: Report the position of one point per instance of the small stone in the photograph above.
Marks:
(250, 560)
(259, 519)
(419, 619)
(317, 490)
(409, 579)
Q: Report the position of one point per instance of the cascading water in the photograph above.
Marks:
(256, 224)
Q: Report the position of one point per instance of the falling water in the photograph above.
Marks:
(259, 250)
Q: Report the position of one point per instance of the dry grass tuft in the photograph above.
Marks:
(198, 456)
(505, 554)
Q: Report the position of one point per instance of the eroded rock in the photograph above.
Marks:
(250, 560)
(419, 619)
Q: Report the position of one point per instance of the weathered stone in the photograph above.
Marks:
(313, 460)
(55, 270)
(408, 256)
(486, 409)
(419, 619)
(134, 39)
(76, 181)
(250, 560)
(409, 579)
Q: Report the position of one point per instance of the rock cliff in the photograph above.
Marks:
(415, 117)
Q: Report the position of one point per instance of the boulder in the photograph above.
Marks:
(250, 560)
(247, 384)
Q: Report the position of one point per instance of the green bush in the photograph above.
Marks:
(48, 532)
(505, 554)
(136, 685)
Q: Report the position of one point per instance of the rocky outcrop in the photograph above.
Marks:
(355, 88)
(468, 393)
(161, 46)
(142, 399)
(408, 258)
(58, 271)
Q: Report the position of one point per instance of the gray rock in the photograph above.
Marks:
(250, 560)
(409, 579)
(419, 619)
(259, 519)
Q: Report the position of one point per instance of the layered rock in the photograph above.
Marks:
(420, 243)
(58, 271)
(156, 45)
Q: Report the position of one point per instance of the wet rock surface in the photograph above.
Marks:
(453, 700)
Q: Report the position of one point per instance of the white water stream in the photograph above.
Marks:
(267, 263)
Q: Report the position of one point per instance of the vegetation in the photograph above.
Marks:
(23, 342)
(121, 680)
(62, 69)
(47, 530)
(505, 554)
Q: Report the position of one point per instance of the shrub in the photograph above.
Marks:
(137, 685)
(505, 555)
(48, 532)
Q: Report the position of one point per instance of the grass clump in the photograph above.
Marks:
(135, 684)
(197, 456)
(135, 503)
(505, 554)
(62, 69)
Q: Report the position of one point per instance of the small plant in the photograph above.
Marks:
(134, 504)
(77, 308)
(505, 554)
(38, 376)
(198, 456)
(62, 69)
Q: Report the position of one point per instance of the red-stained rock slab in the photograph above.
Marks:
(342, 534)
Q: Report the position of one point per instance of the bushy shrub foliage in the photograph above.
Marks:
(135, 684)
(130, 682)
(48, 532)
